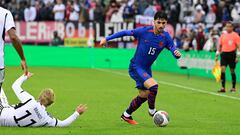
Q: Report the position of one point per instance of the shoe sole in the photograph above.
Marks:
(128, 122)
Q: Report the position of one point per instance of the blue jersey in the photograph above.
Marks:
(149, 45)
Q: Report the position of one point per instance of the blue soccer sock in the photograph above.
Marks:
(135, 104)
(152, 96)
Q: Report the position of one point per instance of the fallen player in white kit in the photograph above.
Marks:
(31, 112)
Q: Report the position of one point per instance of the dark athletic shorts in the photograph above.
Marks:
(228, 58)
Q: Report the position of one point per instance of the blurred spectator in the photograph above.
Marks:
(205, 6)
(58, 10)
(199, 14)
(174, 12)
(157, 6)
(211, 44)
(142, 5)
(210, 17)
(18, 14)
(38, 6)
(112, 8)
(186, 12)
(30, 13)
(188, 18)
(149, 11)
(186, 40)
(237, 29)
(117, 16)
(99, 13)
(3, 4)
(56, 39)
(200, 38)
(235, 13)
(13, 7)
(226, 14)
(84, 13)
(210, 3)
(187, 45)
(220, 11)
(91, 9)
(46, 2)
(128, 11)
(72, 11)
(68, 9)
(45, 12)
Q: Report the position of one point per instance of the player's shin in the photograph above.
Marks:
(151, 98)
(223, 79)
(233, 80)
(135, 104)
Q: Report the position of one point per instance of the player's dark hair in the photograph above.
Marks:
(160, 15)
(228, 22)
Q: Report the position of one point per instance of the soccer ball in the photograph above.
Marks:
(161, 118)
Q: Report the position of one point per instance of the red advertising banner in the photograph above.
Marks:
(38, 32)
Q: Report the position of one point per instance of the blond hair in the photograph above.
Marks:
(46, 97)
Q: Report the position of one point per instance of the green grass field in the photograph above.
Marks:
(193, 104)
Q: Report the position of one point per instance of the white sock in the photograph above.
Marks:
(152, 111)
(126, 114)
(3, 99)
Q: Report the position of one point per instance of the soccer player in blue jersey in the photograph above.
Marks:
(151, 41)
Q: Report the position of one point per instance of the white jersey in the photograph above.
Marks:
(59, 12)
(30, 112)
(6, 23)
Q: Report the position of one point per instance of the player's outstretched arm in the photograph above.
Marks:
(79, 111)
(22, 95)
(170, 46)
(116, 35)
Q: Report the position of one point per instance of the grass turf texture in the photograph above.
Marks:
(107, 94)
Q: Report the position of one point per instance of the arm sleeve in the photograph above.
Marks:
(67, 121)
(58, 123)
(134, 32)
(22, 95)
(9, 21)
(170, 45)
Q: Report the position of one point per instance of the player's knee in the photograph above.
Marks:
(223, 69)
(232, 71)
(154, 88)
(144, 94)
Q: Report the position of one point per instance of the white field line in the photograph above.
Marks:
(175, 85)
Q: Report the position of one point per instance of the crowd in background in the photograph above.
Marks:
(178, 11)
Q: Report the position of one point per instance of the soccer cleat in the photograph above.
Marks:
(152, 114)
(128, 120)
(233, 90)
(222, 90)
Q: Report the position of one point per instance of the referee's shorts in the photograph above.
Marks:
(228, 58)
